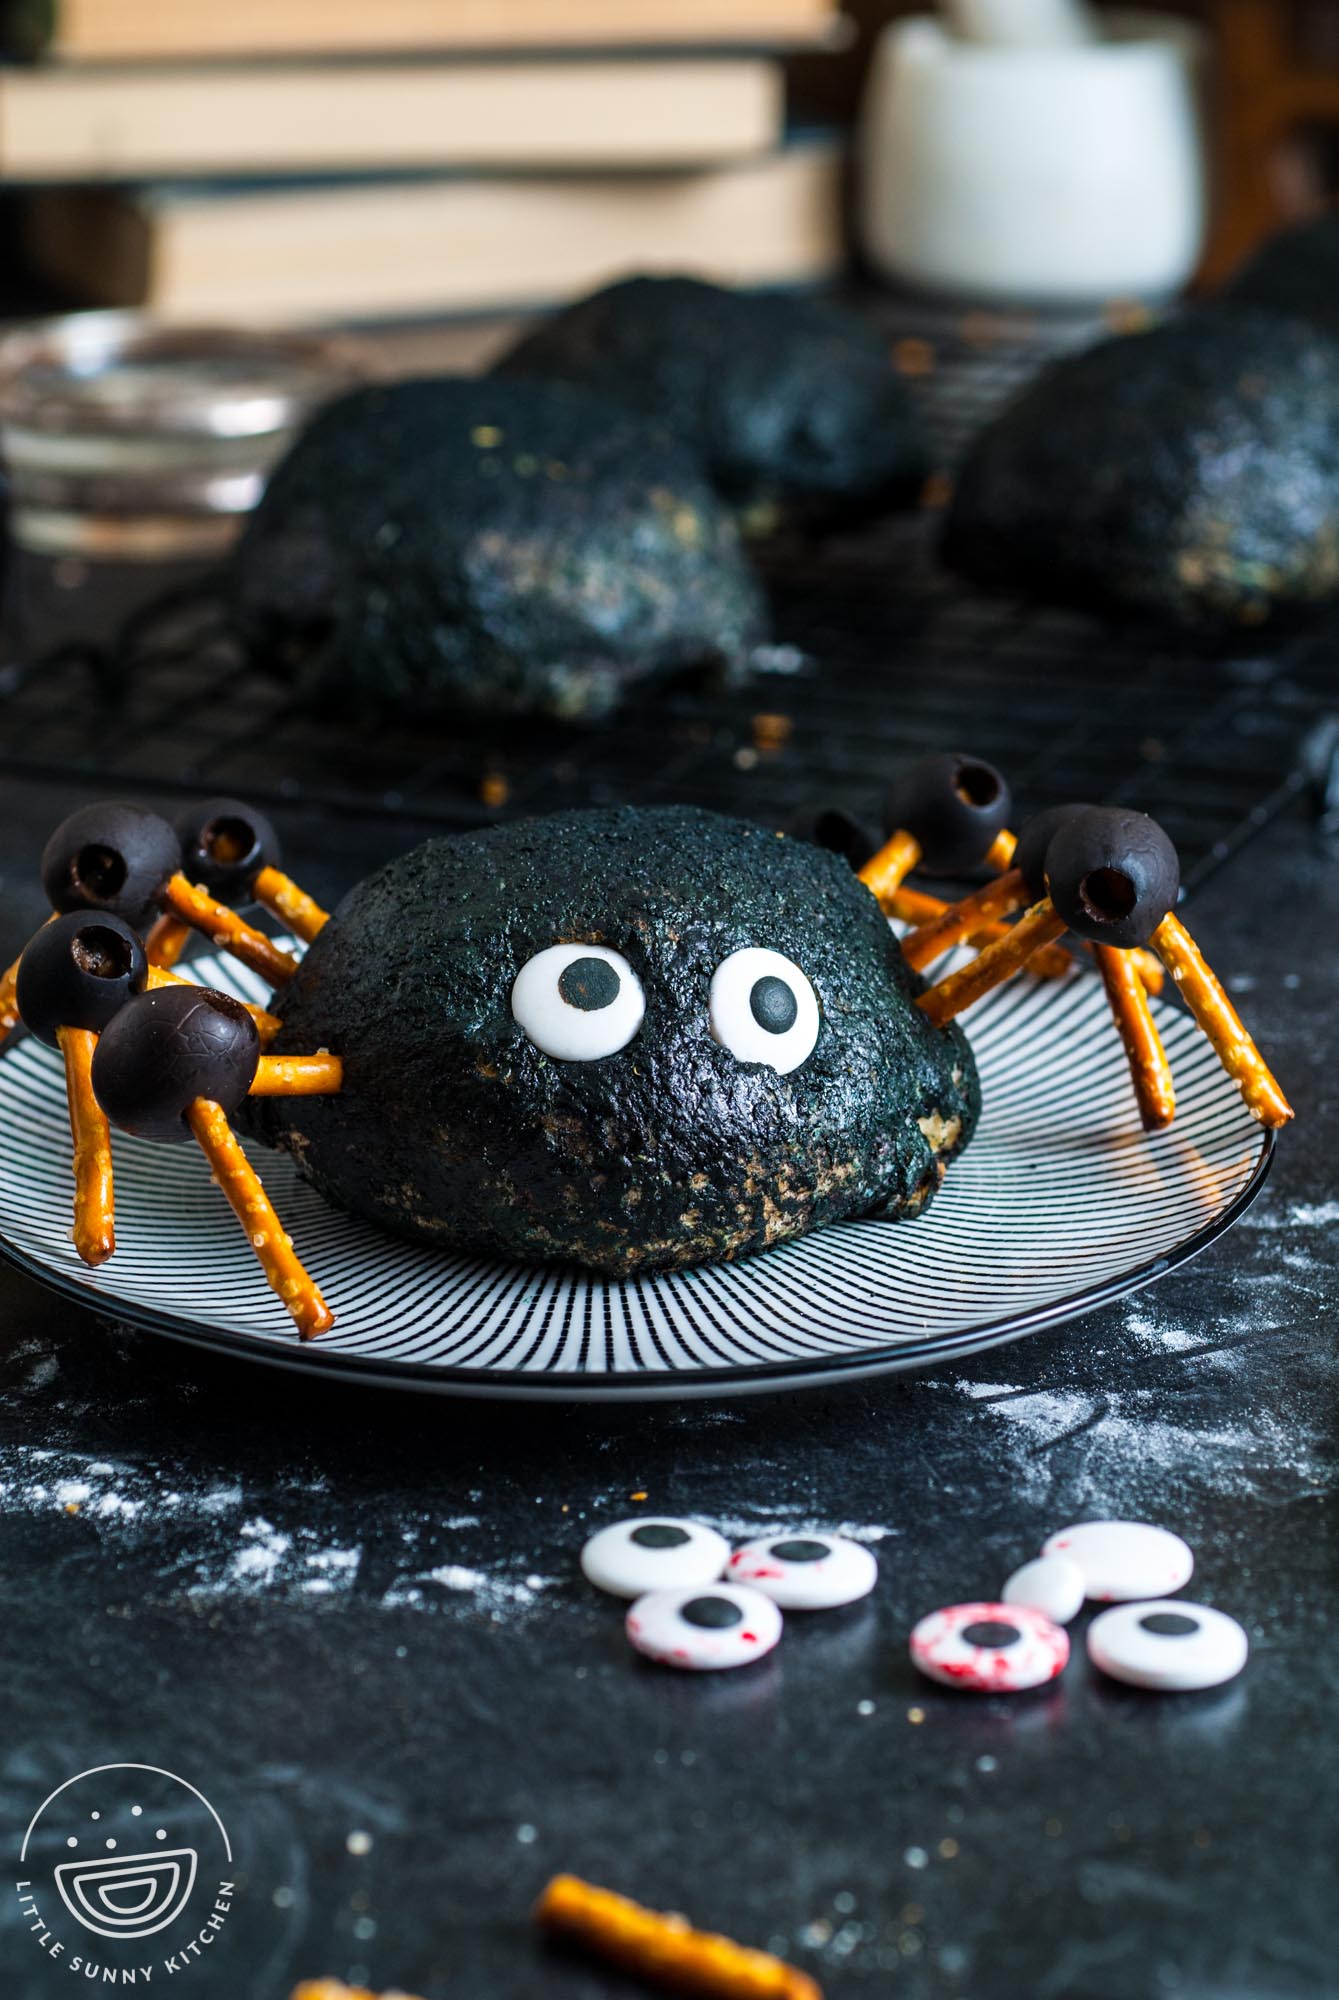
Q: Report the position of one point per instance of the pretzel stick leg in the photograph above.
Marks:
(914, 907)
(888, 869)
(666, 1950)
(998, 962)
(321, 1075)
(228, 931)
(166, 940)
(1150, 1072)
(267, 1025)
(1001, 855)
(254, 1210)
(94, 1234)
(1007, 893)
(295, 909)
(1220, 1021)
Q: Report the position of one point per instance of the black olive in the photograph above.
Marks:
(77, 972)
(1034, 838)
(953, 806)
(165, 1049)
(224, 846)
(1113, 875)
(840, 832)
(111, 856)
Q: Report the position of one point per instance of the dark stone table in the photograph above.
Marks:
(355, 1619)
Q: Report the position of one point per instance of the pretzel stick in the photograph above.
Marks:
(666, 1950)
(94, 1234)
(254, 1210)
(1220, 1021)
(166, 939)
(295, 909)
(1150, 1072)
(267, 1025)
(335, 1989)
(1043, 924)
(227, 930)
(914, 907)
(889, 868)
(321, 1075)
(1001, 855)
(1000, 898)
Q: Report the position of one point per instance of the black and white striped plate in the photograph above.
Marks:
(1059, 1204)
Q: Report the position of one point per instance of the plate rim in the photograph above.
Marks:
(650, 1384)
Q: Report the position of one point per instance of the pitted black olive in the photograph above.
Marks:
(165, 1049)
(1113, 875)
(1034, 837)
(953, 806)
(840, 832)
(77, 972)
(224, 846)
(112, 856)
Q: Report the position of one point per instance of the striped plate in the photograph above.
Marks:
(1060, 1203)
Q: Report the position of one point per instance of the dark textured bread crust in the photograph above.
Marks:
(1295, 273)
(453, 1128)
(510, 547)
(788, 399)
(1190, 475)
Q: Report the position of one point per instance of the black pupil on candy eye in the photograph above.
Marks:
(716, 1613)
(589, 983)
(991, 1633)
(1169, 1624)
(800, 1552)
(659, 1535)
(100, 870)
(773, 1005)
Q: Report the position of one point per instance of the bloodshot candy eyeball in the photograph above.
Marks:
(1171, 1647)
(1122, 1560)
(806, 1572)
(703, 1631)
(991, 1648)
(634, 1557)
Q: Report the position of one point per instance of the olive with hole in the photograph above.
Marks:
(1113, 875)
(224, 846)
(77, 972)
(112, 856)
(167, 1048)
(953, 807)
(1034, 838)
(840, 832)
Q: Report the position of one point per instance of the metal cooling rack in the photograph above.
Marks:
(879, 655)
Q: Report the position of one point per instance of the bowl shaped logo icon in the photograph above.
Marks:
(129, 1895)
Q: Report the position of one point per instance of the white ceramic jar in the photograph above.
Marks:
(1010, 174)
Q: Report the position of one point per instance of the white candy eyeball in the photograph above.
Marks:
(1122, 1560)
(1171, 1647)
(990, 1648)
(578, 1002)
(634, 1557)
(763, 1009)
(704, 1630)
(1052, 1585)
(805, 1572)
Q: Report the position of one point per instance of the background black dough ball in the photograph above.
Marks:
(111, 856)
(453, 1127)
(1295, 273)
(1189, 476)
(224, 845)
(788, 399)
(508, 547)
(77, 972)
(166, 1048)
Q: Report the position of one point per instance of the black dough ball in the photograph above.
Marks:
(165, 1049)
(840, 832)
(77, 972)
(1184, 477)
(1034, 838)
(111, 856)
(452, 1127)
(1113, 875)
(1295, 273)
(503, 547)
(224, 845)
(789, 400)
(953, 805)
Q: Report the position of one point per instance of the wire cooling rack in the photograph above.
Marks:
(879, 654)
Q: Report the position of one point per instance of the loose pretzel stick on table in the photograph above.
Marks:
(666, 1949)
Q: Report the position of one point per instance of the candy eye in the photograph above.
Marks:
(1170, 1646)
(806, 1572)
(763, 1009)
(578, 1002)
(704, 1629)
(631, 1558)
(992, 1648)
